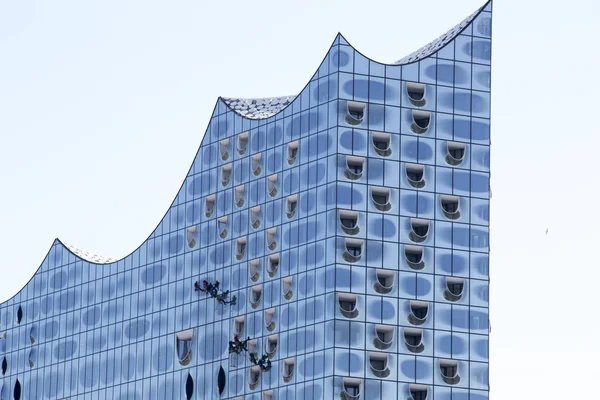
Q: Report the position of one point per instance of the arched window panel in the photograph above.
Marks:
(455, 153)
(418, 392)
(287, 287)
(354, 167)
(349, 222)
(414, 256)
(416, 93)
(19, 315)
(183, 344)
(226, 171)
(271, 237)
(256, 295)
(269, 318)
(353, 249)
(382, 143)
(189, 387)
(419, 312)
(355, 112)
(32, 358)
(419, 229)
(33, 334)
(289, 365)
(421, 121)
(190, 235)
(381, 197)
(255, 214)
(271, 345)
(209, 205)
(272, 182)
(413, 340)
(415, 175)
(268, 395)
(254, 377)
(291, 206)
(450, 206)
(293, 149)
(379, 364)
(4, 366)
(224, 149)
(256, 164)
(384, 336)
(17, 390)
(242, 143)
(238, 195)
(449, 371)
(240, 247)
(454, 288)
(254, 270)
(222, 226)
(351, 388)
(239, 325)
(384, 281)
(273, 266)
(348, 305)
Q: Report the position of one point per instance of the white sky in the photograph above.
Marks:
(103, 105)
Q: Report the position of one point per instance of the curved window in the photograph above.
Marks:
(291, 205)
(415, 174)
(189, 387)
(287, 287)
(190, 234)
(384, 282)
(239, 323)
(17, 391)
(4, 366)
(348, 305)
(19, 315)
(254, 377)
(384, 336)
(238, 196)
(454, 288)
(273, 265)
(416, 93)
(382, 143)
(288, 369)
(254, 269)
(381, 198)
(418, 392)
(240, 248)
(421, 121)
(450, 206)
(456, 153)
(351, 388)
(272, 238)
(209, 204)
(255, 295)
(379, 364)
(449, 371)
(349, 222)
(255, 217)
(226, 174)
(268, 395)
(414, 256)
(413, 339)
(184, 346)
(272, 185)
(419, 229)
(33, 334)
(222, 226)
(242, 142)
(419, 310)
(292, 151)
(32, 358)
(224, 149)
(269, 315)
(221, 380)
(256, 168)
(271, 345)
(354, 167)
(355, 112)
(353, 250)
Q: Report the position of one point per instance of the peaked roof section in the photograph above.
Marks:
(258, 108)
(87, 256)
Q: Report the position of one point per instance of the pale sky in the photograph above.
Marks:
(104, 104)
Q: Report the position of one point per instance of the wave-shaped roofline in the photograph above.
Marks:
(283, 102)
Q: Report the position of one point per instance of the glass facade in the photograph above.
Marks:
(347, 228)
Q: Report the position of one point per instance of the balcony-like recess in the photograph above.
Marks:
(271, 345)
(254, 270)
(272, 185)
(239, 324)
(413, 339)
(292, 152)
(242, 143)
(351, 388)
(190, 235)
(209, 205)
(256, 164)
(415, 175)
(384, 336)
(224, 149)
(450, 206)
(287, 286)
(238, 195)
(222, 226)
(273, 266)
(455, 153)
(349, 222)
(288, 369)
(255, 295)
(271, 235)
(379, 364)
(414, 256)
(418, 392)
(254, 377)
(384, 281)
(240, 248)
(291, 205)
(419, 311)
(355, 112)
(255, 217)
(354, 167)
(381, 198)
(416, 93)
(449, 371)
(183, 344)
(420, 121)
(226, 171)
(455, 288)
(353, 250)
(269, 317)
(382, 143)
(419, 229)
(348, 305)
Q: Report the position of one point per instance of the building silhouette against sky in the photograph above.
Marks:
(329, 245)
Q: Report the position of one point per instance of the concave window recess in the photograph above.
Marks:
(382, 143)
(224, 149)
(420, 121)
(413, 339)
(255, 217)
(272, 185)
(450, 206)
(352, 250)
(222, 226)
(381, 198)
(354, 167)
(256, 167)
(348, 305)
(455, 153)
(191, 236)
(449, 371)
(271, 235)
(384, 281)
(416, 93)
(273, 265)
(454, 288)
(292, 151)
(379, 364)
(255, 295)
(349, 222)
(351, 388)
(419, 311)
(415, 175)
(242, 143)
(238, 194)
(419, 229)
(384, 336)
(355, 112)
(240, 247)
(291, 206)
(209, 205)
(183, 344)
(414, 256)
(226, 174)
